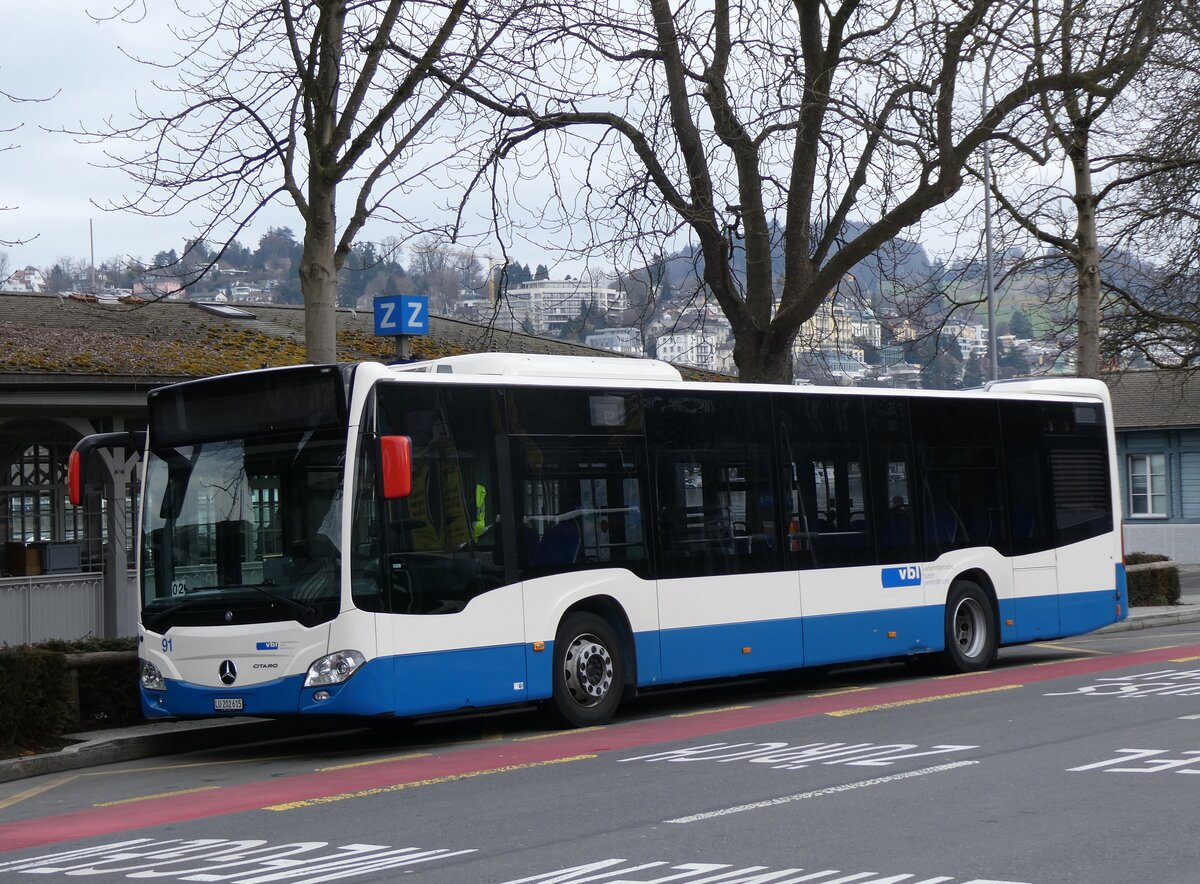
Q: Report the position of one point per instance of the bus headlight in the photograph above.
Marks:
(333, 668)
(152, 679)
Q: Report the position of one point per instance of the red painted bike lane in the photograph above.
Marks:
(306, 787)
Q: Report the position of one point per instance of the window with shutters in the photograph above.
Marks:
(1189, 482)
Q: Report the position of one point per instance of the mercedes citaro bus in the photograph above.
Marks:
(477, 531)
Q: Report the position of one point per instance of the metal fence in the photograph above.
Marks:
(62, 606)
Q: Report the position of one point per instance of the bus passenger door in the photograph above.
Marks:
(456, 623)
(726, 605)
(1033, 610)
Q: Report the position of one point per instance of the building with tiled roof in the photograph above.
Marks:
(1157, 417)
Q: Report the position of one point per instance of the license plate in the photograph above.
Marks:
(228, 704)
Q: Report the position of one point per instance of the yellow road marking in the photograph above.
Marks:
(837, 691)
(1186, 660)
(1057, 647)
(859, 710)
(158, 795)
(962, 675)
(708, 711)
(185, 765)
(396, 787)
(374, 761)
(35, 791)
(1148, 650)
(582, 730)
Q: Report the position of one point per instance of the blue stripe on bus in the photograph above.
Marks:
(718, 651)
(864, 635)
(470, 677)
(1080, 612)
(443, 681)
(1034, 617)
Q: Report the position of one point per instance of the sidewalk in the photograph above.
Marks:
(171, 737)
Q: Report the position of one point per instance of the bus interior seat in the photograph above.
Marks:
(559, 545)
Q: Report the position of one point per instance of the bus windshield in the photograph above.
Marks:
(243, 530)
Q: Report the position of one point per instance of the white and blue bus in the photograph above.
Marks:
(503, 529)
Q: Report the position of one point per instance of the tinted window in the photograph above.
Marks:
(442, 540)
(555, 411)
(825, 464)
(1077, 444)
(891, 462)
(579, 504)
(1027, 474)
(712, 476)
(960, 496)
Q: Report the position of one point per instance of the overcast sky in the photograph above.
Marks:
(49, 180)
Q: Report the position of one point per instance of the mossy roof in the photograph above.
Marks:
(46, 334)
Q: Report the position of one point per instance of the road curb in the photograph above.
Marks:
(111, 749)
(1148, 621)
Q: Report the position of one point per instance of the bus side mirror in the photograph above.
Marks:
(396, 458)
(77, 463)
(75, 479)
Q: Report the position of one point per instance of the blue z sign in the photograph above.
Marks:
(402, 315)
(905, 575)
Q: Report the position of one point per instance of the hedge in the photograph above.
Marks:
(1157, 585)
(37, 694)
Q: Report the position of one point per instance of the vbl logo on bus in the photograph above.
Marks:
(905, 575)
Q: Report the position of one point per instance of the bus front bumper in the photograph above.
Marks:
(368, 692)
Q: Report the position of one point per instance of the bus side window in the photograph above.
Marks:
(578, 504)
(713, 485)
(961, 497)
(830, 510)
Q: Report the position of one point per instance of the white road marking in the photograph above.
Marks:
(818, 793)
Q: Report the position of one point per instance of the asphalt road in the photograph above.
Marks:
(1070, 761)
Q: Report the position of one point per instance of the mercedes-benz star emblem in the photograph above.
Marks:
(228, 672)
(229, 616)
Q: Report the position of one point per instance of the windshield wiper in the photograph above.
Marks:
(152, 619)
(300, 608)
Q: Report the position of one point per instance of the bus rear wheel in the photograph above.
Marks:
(589, 671)
(970, 628)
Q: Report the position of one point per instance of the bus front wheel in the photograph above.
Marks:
(588, 670)
(970, 628)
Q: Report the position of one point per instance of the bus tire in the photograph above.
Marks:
(970, 628)
(589, 669)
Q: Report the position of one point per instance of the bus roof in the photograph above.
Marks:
(540, 365)
(529, 368)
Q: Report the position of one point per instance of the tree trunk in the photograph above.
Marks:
(1087, 268)
(761, 358)
(318, 276)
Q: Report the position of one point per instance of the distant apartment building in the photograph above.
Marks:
(838, 330)
(27, 279)
(971, 339)
(546, 306)
(626, 341)
(698, 349)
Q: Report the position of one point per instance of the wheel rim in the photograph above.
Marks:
(588, 669)
(970, 627)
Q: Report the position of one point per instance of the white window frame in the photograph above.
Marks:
(1156, 504)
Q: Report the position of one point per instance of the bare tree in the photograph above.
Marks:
(1156, 312)
(445, 272)
(292, 101)
(1086, 127)
(760, 132)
